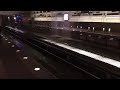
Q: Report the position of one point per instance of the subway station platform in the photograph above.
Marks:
(60, 45)
(65, 70)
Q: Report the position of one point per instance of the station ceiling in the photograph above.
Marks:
(9, 12)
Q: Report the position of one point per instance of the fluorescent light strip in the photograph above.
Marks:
(89, 54)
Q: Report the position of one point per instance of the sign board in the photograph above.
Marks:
(66, 17)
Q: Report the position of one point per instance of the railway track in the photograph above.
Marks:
(81, 63)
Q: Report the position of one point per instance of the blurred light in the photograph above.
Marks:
(111, 38)
(9, 42)
(103, 29)
(81, 34)
(13, 46)
(88, 27)
(80, 26)
(14, 18)
(36, 69)
(109, 29)
(71, 26)
(25, 57)
(93, 28)
(17, 50)
(8, 17)
(65, 16)
(6, 39)
(73, 30)
(77, 26)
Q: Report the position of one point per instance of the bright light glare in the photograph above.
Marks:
(103, 29)
(37, 69)
(8, 17)
(109, 29)
(14, 18)
(65, 16)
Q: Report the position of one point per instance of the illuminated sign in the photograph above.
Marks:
(66, 17)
